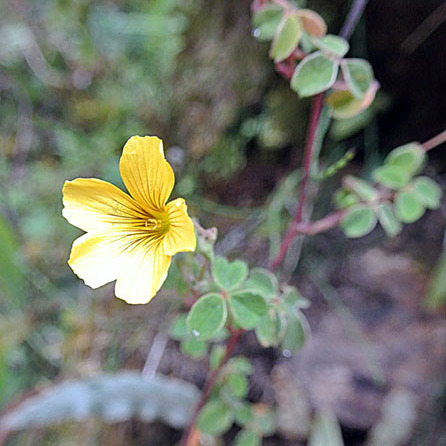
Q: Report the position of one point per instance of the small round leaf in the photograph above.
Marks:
(391, 176)
(247, 308)
(247, 438)
(217, 354)
(315, 74)
(269, 329)
(287, 37)
(296, 333)
(387, 218)
(194, 348)
(343, 105)
(178, 329)
(360, 187)
(407, 207)
(344, 199)
(266, 21)
(312, 22)
(358, 74)
(215, 418)
(263, 282)
(410, 157)
(207, 316)
(359, 221)
(237, 384)
(428, 192)
(331, 44)
(240, 364)
(229, 275)
(243, 414)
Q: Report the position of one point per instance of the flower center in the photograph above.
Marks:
(157, 224)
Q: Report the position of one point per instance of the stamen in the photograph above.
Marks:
(153, 223)
(160, 225)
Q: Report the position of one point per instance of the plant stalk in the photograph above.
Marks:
(316, 110)
(332, 220)
(188, 437)
(435, 141)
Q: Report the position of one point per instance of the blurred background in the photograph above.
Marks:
(79, 77)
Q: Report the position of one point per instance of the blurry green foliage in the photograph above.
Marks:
(77, 78)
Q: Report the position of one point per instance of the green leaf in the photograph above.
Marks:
(178, 329)
(428, 192)
(194, 348)
(229, 275)
(247, 308)
(410, 157)
(247, 438)
(266, 21)
(344, 199)
(263, 282)
(391, 176)
(359, 221)
(343, 105)
(296, 333)
(220, 336)
(215, 418)
(361, 188)
(287, 37)
(269, 329)
(217, 354)
(407, 207)
(312, 22)
(358, 74)
(243, 414)
(207, 316)
(237, 384)
(314, 74)
(240, 364)
(388, 220)
(335, 45)
(294, 299)
(325, 431)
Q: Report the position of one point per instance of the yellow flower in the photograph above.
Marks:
(129, 238)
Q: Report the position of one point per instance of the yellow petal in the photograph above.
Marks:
(95, 205)
(145, 172)
(137, 263)
(96, 259)
(142, 275)
(181, 234)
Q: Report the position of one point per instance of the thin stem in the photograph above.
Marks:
(298, 226)
(308, 156)
(349, 26)
(324, 224)
(210, 382)
(353, 18)
(435, 141)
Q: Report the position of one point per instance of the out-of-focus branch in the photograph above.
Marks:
(353, 18)
(435, 141)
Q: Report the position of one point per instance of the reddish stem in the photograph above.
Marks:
(316, 110)
(435, 141)
(324, 224)
(210, 382)
(286, 69)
